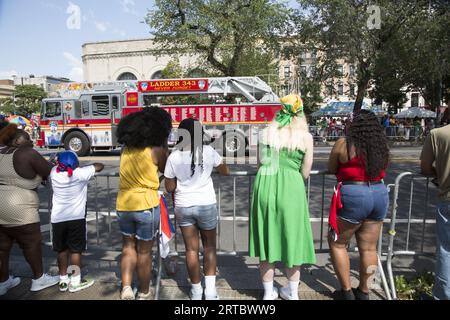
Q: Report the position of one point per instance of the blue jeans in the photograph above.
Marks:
(441, 289)
(364, 202)
(143, 225)
(205, 217)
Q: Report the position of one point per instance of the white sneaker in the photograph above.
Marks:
(84, 284)
(8, 284)
(127, 293)
(144, 296)
(273, 296)
(285, 294)
(196, 295)
(44, 282)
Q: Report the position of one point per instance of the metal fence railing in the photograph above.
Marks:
(236, 211)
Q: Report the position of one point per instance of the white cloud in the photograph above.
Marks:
(102, 26)
(76, 66)
(128, 7)
(8, 74)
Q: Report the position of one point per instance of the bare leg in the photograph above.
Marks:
(191, 241)
(128, 260)
(267, 271)
(339, 254)
(63, 262)
(293, 274)
(209, 255)
(144, 265)
(367, 237)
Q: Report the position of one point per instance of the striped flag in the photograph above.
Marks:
(166, 229)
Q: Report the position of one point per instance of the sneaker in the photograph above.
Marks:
(8, 284)
(127, 293)
(84, 284)
(360, 295)
(343, 295)
(64, 285)
(285, 293)
(274, 295)
(144, 296)
(196, 295)
(44, 282)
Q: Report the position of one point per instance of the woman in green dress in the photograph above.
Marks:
(280, 229)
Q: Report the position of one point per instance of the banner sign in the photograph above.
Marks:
(173, 85)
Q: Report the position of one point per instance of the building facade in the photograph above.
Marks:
(126, 60)
(45, 82)
(6, 88)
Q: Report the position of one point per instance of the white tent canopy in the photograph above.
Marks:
(414, 112)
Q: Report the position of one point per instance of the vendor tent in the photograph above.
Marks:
(415, 112)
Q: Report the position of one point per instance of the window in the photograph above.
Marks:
(157, 75)
(352, 90)
(77, 109)
(115, 103)
(352, 70)
(127, 76)
(85, 107)
(340, 89)
(313, 71)
(330, 90)
(303, 70)
(287, 71)
(52, 109)
(414, 100)
(341, 70)
(100, 106)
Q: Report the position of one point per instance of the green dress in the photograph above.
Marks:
(280, 229)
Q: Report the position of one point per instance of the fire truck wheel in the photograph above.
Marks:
(234, 143)
(77, 142)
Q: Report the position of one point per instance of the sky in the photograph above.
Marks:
(45, 37)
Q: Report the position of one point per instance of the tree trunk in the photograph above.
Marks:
(362, 87)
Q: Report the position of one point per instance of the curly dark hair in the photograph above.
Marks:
(147, 128)
(370, 141)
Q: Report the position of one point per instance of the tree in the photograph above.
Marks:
(221, 32)
(27, 100)
(351, 31)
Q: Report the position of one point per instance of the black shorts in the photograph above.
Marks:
(69, 235)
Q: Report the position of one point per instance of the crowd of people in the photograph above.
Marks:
(332, 128)
(280, 228)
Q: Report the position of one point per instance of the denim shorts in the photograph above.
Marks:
(205, 217)
(140, 224)
(364, 202)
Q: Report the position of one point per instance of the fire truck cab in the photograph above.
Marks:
(84, 116)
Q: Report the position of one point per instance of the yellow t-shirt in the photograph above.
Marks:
(139, 181)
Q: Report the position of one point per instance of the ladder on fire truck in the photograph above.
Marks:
(252, 88)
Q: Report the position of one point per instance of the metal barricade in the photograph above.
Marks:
(392, 234)
(234, 218)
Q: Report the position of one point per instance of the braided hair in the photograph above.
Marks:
(370, 141)
(194, 131)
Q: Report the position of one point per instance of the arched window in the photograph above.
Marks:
(127, 76)
(157, 75)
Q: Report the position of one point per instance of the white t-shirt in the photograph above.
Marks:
(70, 194)
(197, 190)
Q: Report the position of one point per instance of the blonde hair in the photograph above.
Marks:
(290, 137)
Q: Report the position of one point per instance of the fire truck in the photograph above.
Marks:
(83, 117)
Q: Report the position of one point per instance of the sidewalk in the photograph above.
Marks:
(238, 278)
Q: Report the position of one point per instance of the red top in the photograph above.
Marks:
(355, 170)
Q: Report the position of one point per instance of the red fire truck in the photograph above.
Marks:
(84, 116)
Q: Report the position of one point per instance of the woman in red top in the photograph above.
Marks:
(361, 200)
